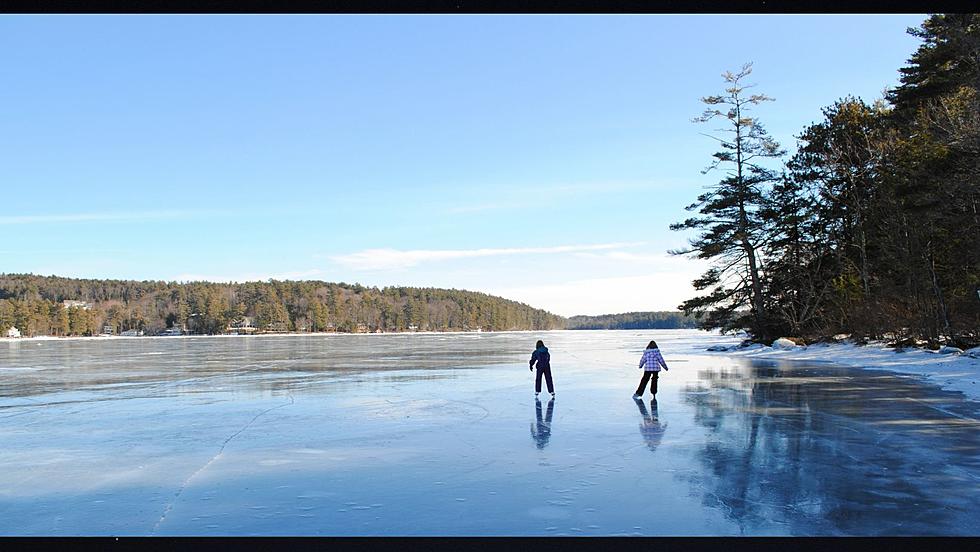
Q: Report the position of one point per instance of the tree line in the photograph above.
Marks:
(870, 228)
(34, 305)
(657, 320)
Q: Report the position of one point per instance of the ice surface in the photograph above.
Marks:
(428, 434)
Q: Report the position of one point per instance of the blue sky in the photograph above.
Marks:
(540, 158)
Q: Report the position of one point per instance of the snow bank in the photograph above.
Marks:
(949, 368)
(783, 343)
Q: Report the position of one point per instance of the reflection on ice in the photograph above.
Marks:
(650, 428)
(816, 457)
(541, 429)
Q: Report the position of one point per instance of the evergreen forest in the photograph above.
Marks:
(870, 227)
(35, 305)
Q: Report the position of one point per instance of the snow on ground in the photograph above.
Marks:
(953, 371)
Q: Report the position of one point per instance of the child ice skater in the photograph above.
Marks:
(651, 363)
(543, 358)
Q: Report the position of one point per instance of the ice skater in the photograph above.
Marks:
(543, 358)
(651, 363)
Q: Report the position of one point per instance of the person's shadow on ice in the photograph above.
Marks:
(541, 429)
(650, 428)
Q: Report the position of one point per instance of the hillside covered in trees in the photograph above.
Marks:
(658, 320)
(36, 306)
(871, 227)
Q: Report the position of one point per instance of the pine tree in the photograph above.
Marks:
(937, 121)
(730, 230)
(841, 160)
(796, 259)
(948, 59)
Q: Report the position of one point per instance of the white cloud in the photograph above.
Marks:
(388, 259)
(660, 262)
(98, 217)
(662, 291)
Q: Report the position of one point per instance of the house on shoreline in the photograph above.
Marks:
(12, 332)
(173, 330)
(244, 325)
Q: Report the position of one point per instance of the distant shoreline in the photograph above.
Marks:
(269, 334)
(41, 338)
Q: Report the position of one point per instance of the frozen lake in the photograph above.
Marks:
(440, 434)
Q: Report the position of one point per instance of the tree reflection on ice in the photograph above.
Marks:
(814, 450)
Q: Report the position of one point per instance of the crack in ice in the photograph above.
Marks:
(187, 481)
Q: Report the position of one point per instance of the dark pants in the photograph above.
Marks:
(652, 378)
(547, 378)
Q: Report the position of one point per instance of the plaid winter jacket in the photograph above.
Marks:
(652, 360)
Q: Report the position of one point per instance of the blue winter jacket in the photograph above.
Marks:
(542, 357)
